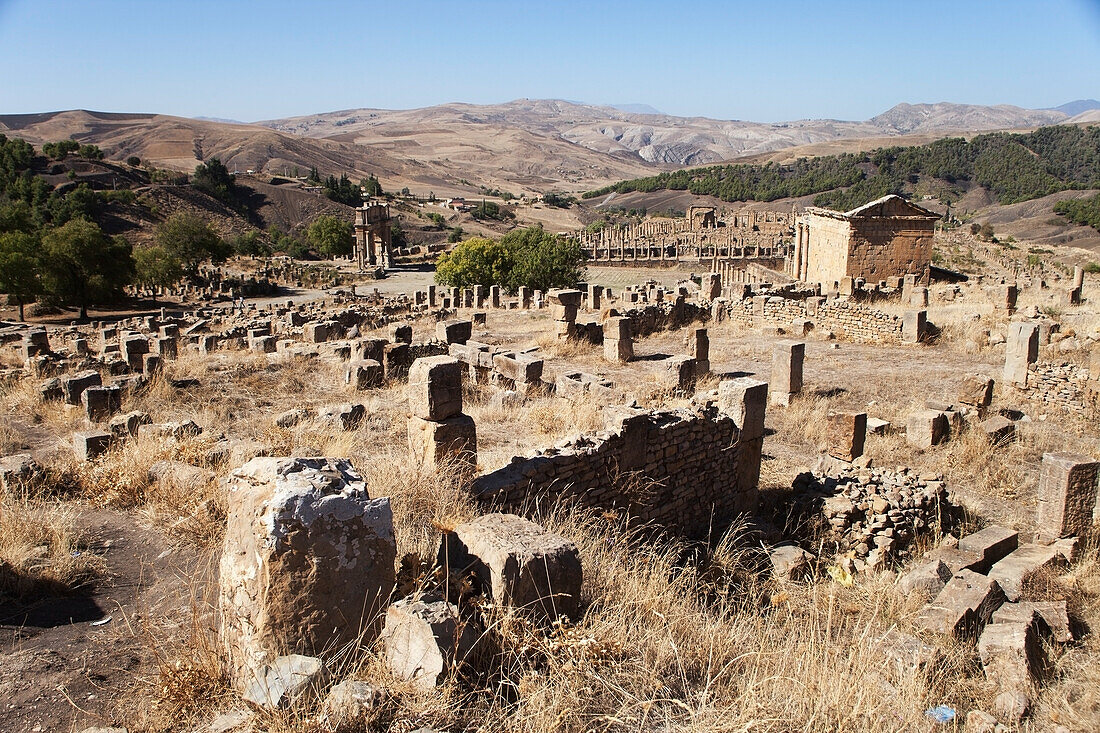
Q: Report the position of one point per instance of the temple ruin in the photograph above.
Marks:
(888, 237)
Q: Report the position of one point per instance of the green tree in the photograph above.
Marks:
(477, 261)
(191, 240)
(331, 236)
(528, 257)
(82, 266)
(133, 161)
(155, 267)
(19, 267)
(214, 179)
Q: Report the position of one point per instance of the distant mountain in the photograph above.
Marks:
(637, 109)
(944, 116)
(1076, 107)
(226, 120)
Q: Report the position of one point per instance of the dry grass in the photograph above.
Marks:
(42, 553)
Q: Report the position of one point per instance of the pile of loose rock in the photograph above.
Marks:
(874, 513)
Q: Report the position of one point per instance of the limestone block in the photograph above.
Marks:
(1011, 571)
(51, 389)
(522, 368)
(565, 297)
(1011, 654)
(560, 312)
(565, 329)
(1053, 614)
(926, 428)
(1067, 495)
(151, 364)
(348, 702)
(745, 400)
(401, 333)
(437, 443)
(425, 640)
(263, 344)
(101, 402)
(927, 579)
(976, 391)
(454, 332)
(964, 606)
(91, 444)
(364, 374)
(913, 325)
(787, 363)
(285, 682)
(683, 371)
(518, 564)
(315, 332)
(618, 351)
(905, 652)
(395, 360)
(346, 416)
(1022, 349)
(845, 434)
(307, 564)
(73, 386)
(167, 347)
(790, 562)
(617, 327)
(998, 429)
(435, 388)
(126, 426)
(993, 544)
(19, 471)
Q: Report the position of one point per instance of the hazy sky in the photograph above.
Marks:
(761, 60)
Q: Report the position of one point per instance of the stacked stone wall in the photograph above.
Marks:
(844, 318)
(1065, 386)
(688, 469)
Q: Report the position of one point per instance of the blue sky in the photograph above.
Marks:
(761, 61)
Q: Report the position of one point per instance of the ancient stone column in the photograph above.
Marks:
(1022, 349)
(913, 326)
(618, 342)
(563, 309)
(787, 361)
(439, 433)
(845, 434)
(699, 349)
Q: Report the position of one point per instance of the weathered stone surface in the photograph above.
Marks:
(845, 434)
(683, 371)
(18, 471)
(787, 362)
(1067, 495)
(618, 351)
(976, 390)
(520, 368)
(746, 401)
(454, 332)
(1012, 655)
(927, 579)
(291, 418)
(364, 374)
(401, 333)
(127, 426)
(91, 444)
(439, 442)
(100, 402)
(435, 388)
(992, 544)
(906, 652)
(396, 359)
(926, 428)
(978, 721)
(285, 682)
(998, 429)
(348, 702)
(964, 606)
(518, 564)
(565, 297)
(1012, 571)
(1053, 614)
(790, 562)
(425, 639)
(346, 416)
(308, 560)
(73, 386)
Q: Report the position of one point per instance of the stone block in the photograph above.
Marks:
(167, 347)
(151, 364)
(992, 543)
(976, 391)
(1067, 495)
(401, 333)
(287, 681)
(72, 387)
(101, 402)
(926, 579)
(1053, 614)
(617, 328)
(964, 606)
(1011, 654)
(1013, 570)
(18, 471)
(316, 332)
(454, 332)
(518, 564)
(998, 429)
(127, 426)
(683, 371)
(787, 363)
(790, 562)
(618, 351)
(745, 400)
(307, 564)
(425, 640)
(364, 374)
(346, 416)
(522, 368)
(845, 434)
(373, 349)
(443, 442)
(263, 344)
(914, 324)
(565, 297)
(89, 444)
(1022, 348)
(560, 312)
(435, 388)
(926, 428)
(395, 360)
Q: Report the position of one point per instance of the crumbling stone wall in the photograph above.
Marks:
(844, 318)
(1065, 386)
(690, 469)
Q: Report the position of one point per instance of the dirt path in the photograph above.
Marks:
(66, 662)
